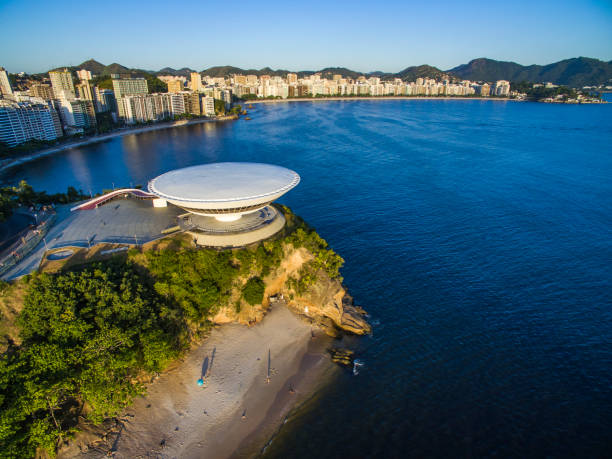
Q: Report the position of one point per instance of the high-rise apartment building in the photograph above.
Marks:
(129, 87)
(482, 89)
(62, 84)
(124, 87)
(177, 104)
(5, 84)
(192, 103)
(501, 88)
(196, 82)
(84, 74)
(240, 79)
(84, 91)
(152, 107)
(76, 114)
(136, 109)
(208, 106)
(175, 86)
(44, 91)
(292, 78)
(23, 121)
(105, 100)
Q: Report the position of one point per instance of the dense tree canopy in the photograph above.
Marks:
(219, 107)
(86, 335)
(253, 291)
(155, 84)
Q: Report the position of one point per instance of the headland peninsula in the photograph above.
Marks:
(164, 347)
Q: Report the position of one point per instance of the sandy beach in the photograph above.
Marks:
(323, 99)
(236, 411)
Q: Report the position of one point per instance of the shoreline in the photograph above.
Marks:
(236, 413)
(319, 99)
(12, 162)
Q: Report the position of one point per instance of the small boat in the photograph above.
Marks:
(248, 119)
(250, 106)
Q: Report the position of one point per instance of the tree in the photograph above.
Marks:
(86, 335)
(253, 291)
(105, 122)
(155, 84)
(219, 107)
(236, 110)
(102, 82)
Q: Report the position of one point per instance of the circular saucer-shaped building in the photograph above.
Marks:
(227, 203)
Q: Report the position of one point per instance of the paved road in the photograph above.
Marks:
(127, 221)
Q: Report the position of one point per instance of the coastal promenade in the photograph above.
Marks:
(11, 162)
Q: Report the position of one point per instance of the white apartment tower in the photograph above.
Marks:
(84, 74)
(501, 88)
(5, 84)
(208, 106)
(128, 87)
(62, 84)
(23, 121)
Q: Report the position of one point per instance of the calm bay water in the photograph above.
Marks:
(477, 234)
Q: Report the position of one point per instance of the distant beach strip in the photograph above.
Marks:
(322, 99)
(11, 162)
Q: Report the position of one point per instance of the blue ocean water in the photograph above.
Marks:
(478, 234)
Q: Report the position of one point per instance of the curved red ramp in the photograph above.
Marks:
(95, 202)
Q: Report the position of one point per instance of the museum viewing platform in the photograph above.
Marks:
(227, 204)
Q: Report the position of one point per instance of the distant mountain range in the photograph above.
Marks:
(575, 72)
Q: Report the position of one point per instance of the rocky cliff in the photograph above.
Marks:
(324, 301)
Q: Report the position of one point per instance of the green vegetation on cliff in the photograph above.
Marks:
(89, 336)
(253, 291)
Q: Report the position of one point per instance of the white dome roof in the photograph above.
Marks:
(224, 185)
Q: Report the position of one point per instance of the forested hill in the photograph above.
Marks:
(576, 72)
(408, 74)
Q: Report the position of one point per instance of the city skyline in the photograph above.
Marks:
(386, 38)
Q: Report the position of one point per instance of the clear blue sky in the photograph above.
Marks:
(386, 35)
